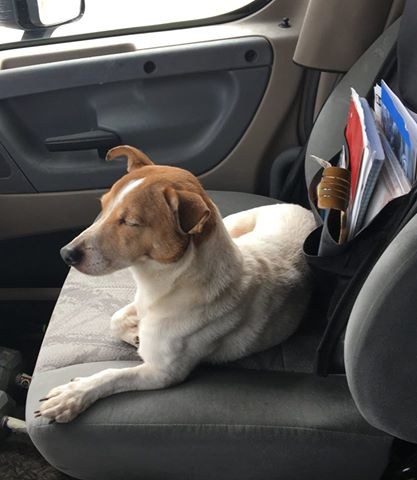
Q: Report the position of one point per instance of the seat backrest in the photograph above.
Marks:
(381, 340)
(381, 336)
(380, 347)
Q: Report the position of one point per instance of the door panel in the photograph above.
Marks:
(208, 105)
(186, 106)
(40, 213)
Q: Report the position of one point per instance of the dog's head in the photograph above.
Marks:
(153, 212)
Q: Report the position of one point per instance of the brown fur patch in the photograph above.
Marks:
(135, 157)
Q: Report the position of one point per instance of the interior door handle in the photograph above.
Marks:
(101, 140)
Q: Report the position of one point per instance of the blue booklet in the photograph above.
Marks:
(395, 130)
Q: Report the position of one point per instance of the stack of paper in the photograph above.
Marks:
(366, 157)
(381, 155)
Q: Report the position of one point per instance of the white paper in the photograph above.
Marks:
(323, 163)
(392, 183)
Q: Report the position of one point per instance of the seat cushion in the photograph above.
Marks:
(221, 424)
(79, 328)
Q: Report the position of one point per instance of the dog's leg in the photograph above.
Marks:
(64, 403)
(124, 324)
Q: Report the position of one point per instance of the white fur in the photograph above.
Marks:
(127, 189)
(224, 300)
(132, 185)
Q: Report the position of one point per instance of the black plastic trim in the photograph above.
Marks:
(94, 139)
(34, 260)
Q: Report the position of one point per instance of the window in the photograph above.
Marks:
(107, 15)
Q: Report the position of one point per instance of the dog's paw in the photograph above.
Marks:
(124, 325)
(128, 335)
(64, 403)
(131, 337)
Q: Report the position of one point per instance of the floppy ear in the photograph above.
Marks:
(135, 157)
(189, 209)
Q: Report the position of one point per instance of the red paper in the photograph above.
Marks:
(355, 145)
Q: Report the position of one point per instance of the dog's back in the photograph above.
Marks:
(274, 289)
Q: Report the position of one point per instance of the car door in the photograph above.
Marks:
(213, 95)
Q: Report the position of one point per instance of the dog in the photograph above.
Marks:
(208, 290)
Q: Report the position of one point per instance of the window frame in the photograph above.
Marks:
(231, 16)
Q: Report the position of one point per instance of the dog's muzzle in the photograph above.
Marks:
(71, 255)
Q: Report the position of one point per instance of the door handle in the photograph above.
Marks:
(102, 140)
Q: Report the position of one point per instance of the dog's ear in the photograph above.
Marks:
(190, 210)
(135, 157)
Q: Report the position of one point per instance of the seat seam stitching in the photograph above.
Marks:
(225, 425)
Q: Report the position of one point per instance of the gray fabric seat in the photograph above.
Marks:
(222, 423)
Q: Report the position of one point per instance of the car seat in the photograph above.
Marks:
(265, 417)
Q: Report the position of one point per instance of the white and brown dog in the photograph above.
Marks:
(209, 289)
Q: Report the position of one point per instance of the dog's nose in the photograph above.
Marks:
(71, 255)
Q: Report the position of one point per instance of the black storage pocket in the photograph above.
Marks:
(341, 269)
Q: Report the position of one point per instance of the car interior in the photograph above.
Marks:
(242, 100)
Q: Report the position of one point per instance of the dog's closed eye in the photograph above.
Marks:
(129, 222)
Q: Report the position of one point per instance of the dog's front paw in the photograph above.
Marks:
(64, 403)
(124, 325)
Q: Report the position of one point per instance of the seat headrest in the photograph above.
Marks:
(335, 33)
